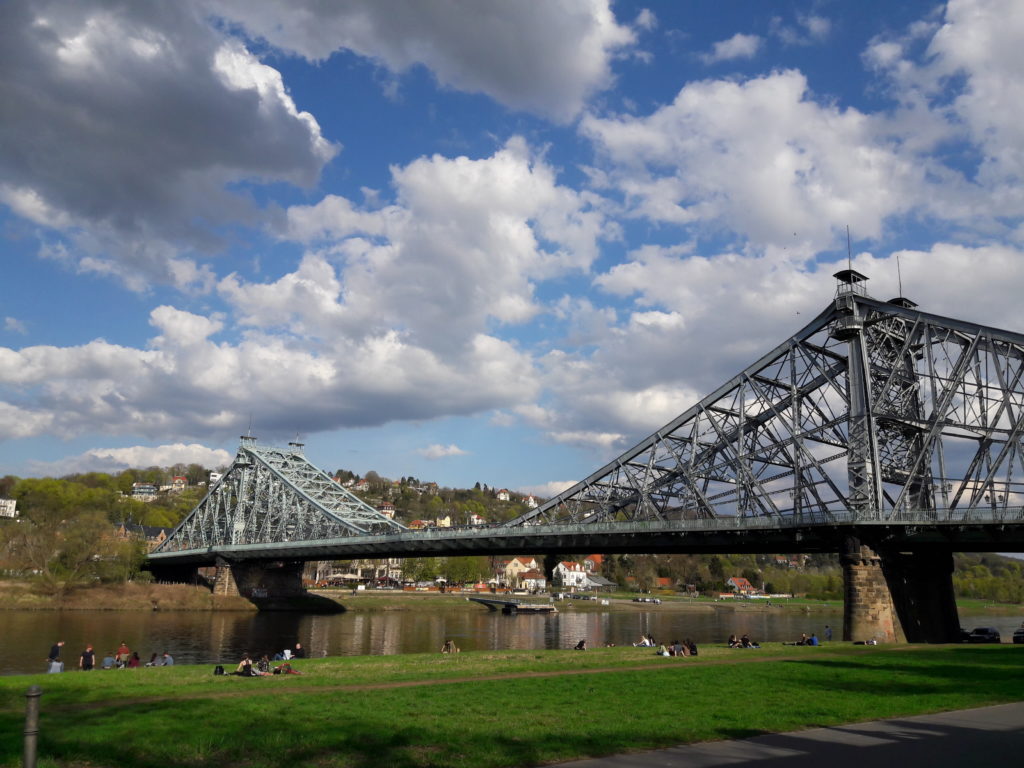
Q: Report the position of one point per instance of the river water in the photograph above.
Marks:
(221, 638)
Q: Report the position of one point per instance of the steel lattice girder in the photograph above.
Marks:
(272, 496)
(940, 428)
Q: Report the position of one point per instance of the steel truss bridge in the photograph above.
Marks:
(876, 420)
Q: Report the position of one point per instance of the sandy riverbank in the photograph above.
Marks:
(21, 596)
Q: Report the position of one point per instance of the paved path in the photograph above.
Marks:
(976, 738)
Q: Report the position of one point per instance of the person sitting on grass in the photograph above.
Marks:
(286, 669)
(581, 645)
(734, 641)
(108, 661)
(449, 647)
(244, 668)
(662, 651)
(691, 646)
(746, 642)
(813, 640)
(263, 665)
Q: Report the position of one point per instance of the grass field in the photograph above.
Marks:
(488, 709)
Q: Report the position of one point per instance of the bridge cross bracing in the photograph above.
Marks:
(874, 414)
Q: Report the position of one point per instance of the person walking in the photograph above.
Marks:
(828, 634)
(87, 660)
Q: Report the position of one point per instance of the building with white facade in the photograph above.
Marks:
(570, 575)
(8, 508)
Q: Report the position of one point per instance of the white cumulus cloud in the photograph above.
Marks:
(437, 451)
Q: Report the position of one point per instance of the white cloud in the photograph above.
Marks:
(139, 456)
(14, 325)
(462, 247)
(762, 158)
(547, 490)
(548, 57)
(587, 438)
(968, 83)
(132, 123)
(738, 46)
(810, 29)
(437, 451)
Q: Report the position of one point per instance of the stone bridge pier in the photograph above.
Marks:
(259, 580)
(896, 597)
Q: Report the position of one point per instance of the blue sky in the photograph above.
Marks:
(494, 242)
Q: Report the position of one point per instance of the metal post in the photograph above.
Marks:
(31, 726)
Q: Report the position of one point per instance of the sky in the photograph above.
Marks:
(465, 241)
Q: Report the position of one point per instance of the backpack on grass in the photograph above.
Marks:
(218, 670)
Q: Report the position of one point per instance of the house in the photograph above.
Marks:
(361, 485)
(215, 478)
(530, 502)
(143, 491)
(512, 570)
(503, 495)
(387, 509)
(443, 522)
(153, 535)
(419, 524)
(475, 519)
(8, 508)
(532, 580)
(570, 575)
(740, 586)
(178, 484)
(592, 563)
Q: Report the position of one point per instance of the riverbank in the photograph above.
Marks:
(20, 596)
(489, 709)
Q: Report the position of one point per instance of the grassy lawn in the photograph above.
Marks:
(488, 708)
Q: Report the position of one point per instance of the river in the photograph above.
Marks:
(220, 638)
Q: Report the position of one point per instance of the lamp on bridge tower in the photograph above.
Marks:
(296, 447)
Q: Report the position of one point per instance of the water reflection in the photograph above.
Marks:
(220, 638)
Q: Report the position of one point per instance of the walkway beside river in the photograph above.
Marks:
(989, 736)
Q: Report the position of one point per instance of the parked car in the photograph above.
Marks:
(984, 635)
(1018, 635)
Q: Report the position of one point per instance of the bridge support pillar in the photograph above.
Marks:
(868, 611)
(224, 582)
(256, 581)
(921, 584)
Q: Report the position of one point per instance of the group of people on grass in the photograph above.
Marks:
(253, 667)
(743, 641)
(123, 658)
(685, 648)
(250, 667)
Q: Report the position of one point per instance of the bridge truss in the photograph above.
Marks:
(873, 412)
(274, 496)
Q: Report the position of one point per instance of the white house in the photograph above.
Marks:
(503, 495)
(387, 509)
(570, 575)
(531, 502)
(8, 508)
(475, 519)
